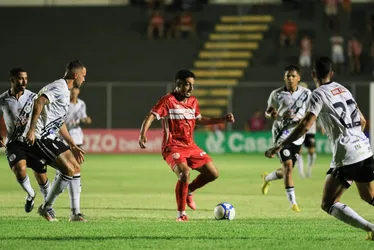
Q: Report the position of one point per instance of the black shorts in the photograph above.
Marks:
(17, 151)
(48, 149)
(362, 171)
(310, 141)
(289, 152)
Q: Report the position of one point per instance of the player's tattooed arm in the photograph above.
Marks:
(39, 104)
(143, 130)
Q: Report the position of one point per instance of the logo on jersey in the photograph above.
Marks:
(12, 157)
(176, 155)
(299, 103)
(286, 152)
(338, 91)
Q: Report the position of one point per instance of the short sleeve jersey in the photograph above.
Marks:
(285, 101)
(17, 113)
(54, 113)
(178, 120)
(339, 116)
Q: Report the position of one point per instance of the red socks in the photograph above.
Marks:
(181, 191)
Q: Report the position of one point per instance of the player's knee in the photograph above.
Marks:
(214, 174)
(326, 206)
(184, 175)
(19, 170)
(368, 199)
(77, 168)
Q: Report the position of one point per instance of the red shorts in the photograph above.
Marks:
(194, 156)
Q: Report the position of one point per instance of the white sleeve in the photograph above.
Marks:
(315, 103)
(272, 101)
(52, 92)
(83, 110)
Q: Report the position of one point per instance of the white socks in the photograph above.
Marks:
(75, 193)
(311, 160)
(180, 213)
(45, 189)
(348, 215)
(60, 183)
(272, 176)
(290, 192)
(300, 166)
(26, 185)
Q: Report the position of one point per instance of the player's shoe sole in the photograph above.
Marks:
(295, 208)
(77, 218)
(48, 214)
(265, 184)
(29, 205)
(190, 202)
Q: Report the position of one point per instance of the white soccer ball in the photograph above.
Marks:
(224, 211)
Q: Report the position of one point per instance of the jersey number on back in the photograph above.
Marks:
(348, 122)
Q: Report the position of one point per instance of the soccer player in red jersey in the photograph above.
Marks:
(180, 112)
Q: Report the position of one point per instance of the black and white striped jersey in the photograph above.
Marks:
(286, 102)
(339, 116)
(17, 113)
(54, 113)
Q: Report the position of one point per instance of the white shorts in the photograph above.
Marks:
(305, 61)
(337, 58)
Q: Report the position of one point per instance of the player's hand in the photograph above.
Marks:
(229, 118)
(78, 153)
(2, 143)
(30, 137)
(270, 153)
(87, 120)
(142, 141)
(273, 112)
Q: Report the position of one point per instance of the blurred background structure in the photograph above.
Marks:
(237, 49)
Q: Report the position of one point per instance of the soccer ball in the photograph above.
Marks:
(224, 211)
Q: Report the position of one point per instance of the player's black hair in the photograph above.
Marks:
(181, 76)
(75, 64)
(14, 72)
(292, 67)
(322, 67)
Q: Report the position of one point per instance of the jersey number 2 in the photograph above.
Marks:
(353, 111)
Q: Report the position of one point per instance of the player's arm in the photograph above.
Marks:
(298, 132)
(77, 151)
(145, 126)
(271, 111)
(85, 119)
(201, 120)
(39, 104)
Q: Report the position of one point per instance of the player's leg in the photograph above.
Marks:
(75, 189)
(200, 161)
(332, 192)
(208, 173)
(267, 178)
(311, 145)
(44, 184)
(289, 184)
(19, 169)
(300, 163)
(40, 174)
(182, 171)
(16, 155)
(366, 191)
(57, 155)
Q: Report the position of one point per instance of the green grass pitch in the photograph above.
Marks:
(129, 202)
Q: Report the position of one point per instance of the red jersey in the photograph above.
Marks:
(178, 120)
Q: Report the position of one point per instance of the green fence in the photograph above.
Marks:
(246, 142)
